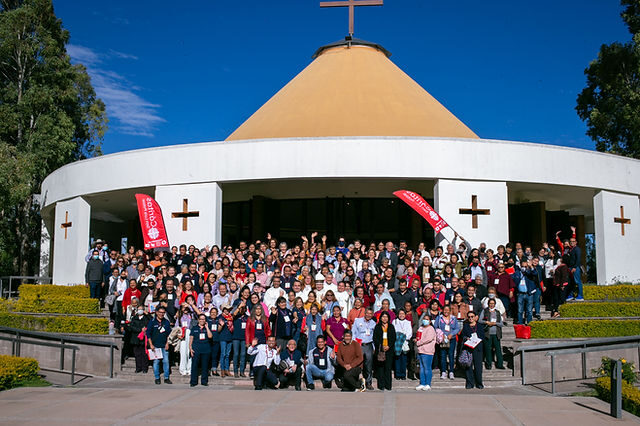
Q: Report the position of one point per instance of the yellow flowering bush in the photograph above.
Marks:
(15, 370)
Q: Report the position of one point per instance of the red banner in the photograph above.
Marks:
(153, 230)
(416, 202)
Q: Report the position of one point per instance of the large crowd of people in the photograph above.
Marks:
(343, 313)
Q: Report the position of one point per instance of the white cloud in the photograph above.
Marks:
(131, 113)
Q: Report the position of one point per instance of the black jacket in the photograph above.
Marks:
(377, 338)
(93, 272)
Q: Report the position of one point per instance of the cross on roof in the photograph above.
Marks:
(185, 214)
(351, 4)
(622, 220)
(474, 211)
(66, 224)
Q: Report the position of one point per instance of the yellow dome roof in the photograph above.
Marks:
(351, 91)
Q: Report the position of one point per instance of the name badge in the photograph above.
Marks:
(244, 325)
(448, 286)
(493, 317)
(470, 308)
(214, 327)
(179, 262)
(321, 362)
(447, 327)
(367, 332)
(201, 336)
(170, 296)
(286, 318)
(474, 335)
(161, 330)
(313, 327)
(459, 314)
(259, 326)
(344, 324)
(496, 281)
(427, 275)
(384, 335)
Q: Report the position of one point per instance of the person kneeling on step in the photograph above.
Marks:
(320, 364)
(267, 358)
(350, 359)
(292, 374)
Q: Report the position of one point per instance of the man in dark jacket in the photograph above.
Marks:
(93, 275)
(292, 374)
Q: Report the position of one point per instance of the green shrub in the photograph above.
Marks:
(57, 304)
(629, 373)
(50, 290)
(611, 292)
(55, 324)
(565, 329)
(15, 370)
(600, 309)
(630, 394)
(6, 305)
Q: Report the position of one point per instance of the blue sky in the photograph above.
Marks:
(193, 71)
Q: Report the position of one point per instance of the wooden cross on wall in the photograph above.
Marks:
(622, 220)
(474, 211)
(351, 4)
(66, 224)
(185, 214)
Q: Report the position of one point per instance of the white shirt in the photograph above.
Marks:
(264, 355)
(345, 301)
(499, 305)
(403, 326)
(121, 287)
(271, 295)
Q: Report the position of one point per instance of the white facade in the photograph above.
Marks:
(71, 247)
(617, 223)
(453, 201)
(405, 160)
(204, 204)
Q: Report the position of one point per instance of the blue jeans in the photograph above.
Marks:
(577, 279)
(239, 356)
(507, 304)
(536, 300)
(165, 365)
(425, 369)
(451, 351)
(95, 289)
(318, 373)
(525, 305)
(225, 351)
(401, 365)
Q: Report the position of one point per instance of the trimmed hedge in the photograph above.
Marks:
(630, 394)
(57, 304)
(600, 309)
(611, 292)
(50, 290)
(56, 324)
(15, 370)
(6, 305)
(565, 329)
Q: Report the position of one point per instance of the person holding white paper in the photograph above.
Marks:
(472, 334)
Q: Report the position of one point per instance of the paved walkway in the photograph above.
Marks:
(115, 402)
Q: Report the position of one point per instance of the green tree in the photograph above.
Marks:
(610, 104)
(49, 116)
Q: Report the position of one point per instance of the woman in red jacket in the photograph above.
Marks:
(257, 328)
(129, 293)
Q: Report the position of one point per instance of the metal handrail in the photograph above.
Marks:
(64, 339)
(582, 347)
(10, 291)
(17, 342)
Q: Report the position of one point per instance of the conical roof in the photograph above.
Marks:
(351, 90)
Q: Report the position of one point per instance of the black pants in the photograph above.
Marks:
(142, 360)
(351, 379)
(474, 373)
(383, 371)
(367, 370)
(200, 361)
(412, 369)
(556, 297)
(262, 376)
(291, 379)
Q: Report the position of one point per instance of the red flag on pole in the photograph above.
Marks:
(151, 222)
(416, 202)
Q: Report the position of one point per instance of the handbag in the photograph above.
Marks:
(110, 299)
(382, 356)
(466, 358)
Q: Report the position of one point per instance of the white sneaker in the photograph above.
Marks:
(426, 388)
(443, 376)
(420, 387)
(451, 376)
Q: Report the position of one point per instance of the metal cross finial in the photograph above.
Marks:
(351, 4)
